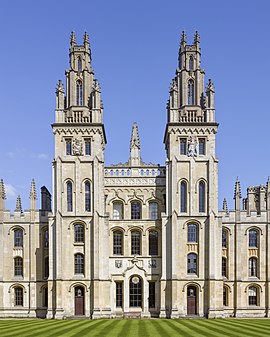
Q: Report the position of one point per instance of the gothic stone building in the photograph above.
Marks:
(135, 239)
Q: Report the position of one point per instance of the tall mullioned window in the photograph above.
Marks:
(202, 196)
(191, 92)
(192, 263)
(117, 210)
(253, 238)
(252, 296)
(224, 266)
(192, 233)
(87, 187)
(135, 210)
(224, 238)
(135, 243)
(69, 196)
(153, 210)
(119, 294)
(201, 146)
(252, 266)
(183, 197)
(87, 147)
(152, 294)
(68, 147)
(183, 146)
(79, 93)
(18, 296)
(118, 243)
(79, 63)
(79, 233)
(18, 266)
(153, 243)
(78, 264)
(18, 238)
(225, 296)
(191, 63)
(135, 292)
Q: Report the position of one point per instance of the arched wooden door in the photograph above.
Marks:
(79, 301)
(192, 300)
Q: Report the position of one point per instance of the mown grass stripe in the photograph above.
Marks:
(166, 330)
(258, 326)
(103, 330)
(197, 326)
(87, 329)
(22, 328)
(187, 331)
(234, 328)
(62, 326)
(125, 329)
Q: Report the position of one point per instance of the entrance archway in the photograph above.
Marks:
(192, 300)
(79, 301)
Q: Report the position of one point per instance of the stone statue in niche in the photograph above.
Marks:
(192, 146)
(77, 147)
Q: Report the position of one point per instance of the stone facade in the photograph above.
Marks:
(135, 239)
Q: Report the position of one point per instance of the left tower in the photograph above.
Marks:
(78, 275)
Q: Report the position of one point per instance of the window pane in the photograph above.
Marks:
(201, 196)
(119, 294)
(69, 196)
(252, 296)
(135, 210)
(192, 233)
(87, 147)
(87, 197)
(18, 266)
(153, 210)
(201, 146)
(79, 233)
(79, 264)
(252, 267)
(135, 292)
(117, 211)
(183, 146)
(18, 238)
(192, 263)
(153, 243)
(253, 242)
(117, 243)
(68, 147)
(135, 243)
(183, 197)
(18, 296)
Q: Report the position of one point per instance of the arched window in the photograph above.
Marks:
(153, 242)
(18, 238)
(183, 196)
(190, 92)
(117, 210)
(224, 266)
(224, 238)
(87, 188)
(79, 93)
(18, 266)
(253, 296)
(153, 210)
(18, 296)
(118, 243)
(201, 196)
(225, 296)
(135, 292)
(192, 233)
(46, 238)
(252, 266)
(135, 243)
(192, 263)
(79, 64)
(79, 233)
(78, 264)
(135, 210)
(69, 196)
(46, 267)
(253, 238)
(191, 63)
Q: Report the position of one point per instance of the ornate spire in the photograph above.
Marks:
(183, 37)
(2, 190)
(135, 140)
(237, 189)
(18, 204)
(196, 37)
(72, 39)
(225, 206)
(86, 38)
(135, 153)
(33, 193)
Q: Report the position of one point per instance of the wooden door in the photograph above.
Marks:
(79, 301)
(192, 301)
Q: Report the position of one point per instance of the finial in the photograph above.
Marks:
(60, 86)
(225, 206)
(2, 190)
(173, 85)
(96, 85)
(18, 204)
(183, 37)
(33, 193)
(73, 39)
(210, 85)
(237, 189)
(86, 38)
(196, 37)
(135, 140)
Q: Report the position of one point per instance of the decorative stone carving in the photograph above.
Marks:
(152, 263)
(135, 280)
(77, 147)
(192, 147)
(118, 263)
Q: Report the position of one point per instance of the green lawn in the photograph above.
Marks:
(132, 328)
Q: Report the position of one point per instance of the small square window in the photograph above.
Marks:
(201, 146)
(183, 146)
(87, 147)
(68, 147)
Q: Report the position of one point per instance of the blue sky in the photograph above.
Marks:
(134, 50)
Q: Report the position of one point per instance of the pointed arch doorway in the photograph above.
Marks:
(79, 301)
(192, 300)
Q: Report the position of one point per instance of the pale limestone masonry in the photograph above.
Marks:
(135, 239)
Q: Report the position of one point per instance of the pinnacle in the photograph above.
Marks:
(135, 140)
(33, 193)
(2, 190)
(237, 189)
(72, 39)
(225, 206)
(19, 204)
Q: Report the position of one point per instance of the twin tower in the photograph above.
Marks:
(136, 239)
